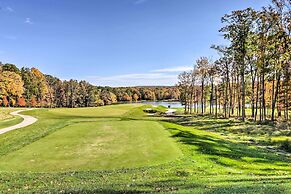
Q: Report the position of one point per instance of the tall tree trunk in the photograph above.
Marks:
(219, 95)
(216, 98)
(234, 95)
(225, 99)
(261, 99)
(230, 97)
(238, 96)
(254, 74)
(257, 96)
(263, 95)
(194, 100)
(286, 102)
(185, 101)
(287, 90)
(191, 100)
(274, 99)
(202, 96)
(211, 97)
(243, 95)
(278, 107)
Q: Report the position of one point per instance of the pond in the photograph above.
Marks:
(164, 103)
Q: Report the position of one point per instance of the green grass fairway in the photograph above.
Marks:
(94, 138)
(119, 149)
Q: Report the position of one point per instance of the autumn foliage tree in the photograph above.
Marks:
(11, 86)
(21, 102)
(33, 102)
(5, 101)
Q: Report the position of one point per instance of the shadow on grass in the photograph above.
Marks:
(270, 189)
(107, 191)
(227, 125)
(263, 180)
(266, 185)
(217, 149)
(205, 124)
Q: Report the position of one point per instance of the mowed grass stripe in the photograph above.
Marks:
(95, 112)
(95, 143)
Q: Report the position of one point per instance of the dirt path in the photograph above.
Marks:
(27, 120)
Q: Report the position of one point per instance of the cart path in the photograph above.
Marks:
(27, 120)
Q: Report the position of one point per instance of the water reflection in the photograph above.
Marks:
(164, 103)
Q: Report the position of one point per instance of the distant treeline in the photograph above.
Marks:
(27, 87)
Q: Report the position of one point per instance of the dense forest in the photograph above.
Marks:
(27, 87)
(252, 75)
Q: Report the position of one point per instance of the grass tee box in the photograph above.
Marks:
(94, 138)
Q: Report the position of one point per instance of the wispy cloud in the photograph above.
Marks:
(28, 21)
(9, 9)
(145, 79)
(174, 69)
(10, 37)
(161, 77)
(138, 76)
(140, 1)
(6, 9)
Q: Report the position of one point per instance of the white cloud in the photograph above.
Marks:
(6, 9)
(140, 1)
(28, 21)
(9, 9)
(174, 69)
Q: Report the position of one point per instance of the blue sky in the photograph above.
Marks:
(113, 42)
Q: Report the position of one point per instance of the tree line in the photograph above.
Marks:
(29, 87)
(252, 74)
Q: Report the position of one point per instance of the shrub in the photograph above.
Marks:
(99, 102)
(276, 133)
(283, 126)
(286, 145)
